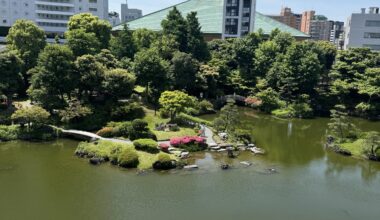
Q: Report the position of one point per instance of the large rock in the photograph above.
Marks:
(96, 161)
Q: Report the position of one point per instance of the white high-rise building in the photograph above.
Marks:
(51, 15)
(129, 14)
(238, 18)
(363, 29)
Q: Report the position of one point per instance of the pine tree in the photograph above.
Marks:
(196, 43)
(176, 25)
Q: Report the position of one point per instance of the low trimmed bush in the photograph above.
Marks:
(9, 133)
(140, 130)
(106, 132)
(127, 112)
(164, 162)
(147, 145)
(128, 158)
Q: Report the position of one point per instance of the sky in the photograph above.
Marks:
(338, 10)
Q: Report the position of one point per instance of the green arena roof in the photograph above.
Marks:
(210, 16)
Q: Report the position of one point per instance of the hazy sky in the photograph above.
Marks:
(333, 9)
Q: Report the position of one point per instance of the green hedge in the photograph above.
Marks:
(128, 158)
(194, 119)
(147, 145)
(15, 132)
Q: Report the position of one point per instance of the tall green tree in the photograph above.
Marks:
(53, 79)
(175, 102)
(144, 38)
(34, 116)
(107, 59)
(228, 118)
(340, 125)
(295, 73)
(82, 42)
(184, 70)
(368, 85)
(28, 40)
(118, 83)
(123, 44)
(91, 74)
(176, 25)
(196, 43)
(265, 56)
(152, 73)
(245, 51)
(10, 75)
(91, 24)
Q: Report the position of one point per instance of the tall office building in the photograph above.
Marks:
(114, 18)
(307, 17)
(51, 15)
(363, 29)
(337, 34)
(289, 18)
(129, 14)
(238, 18)
(320, 28)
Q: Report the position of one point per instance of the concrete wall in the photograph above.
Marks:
(356, 29)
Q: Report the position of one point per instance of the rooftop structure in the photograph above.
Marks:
(210, 15)
(129, 14)
(363, 29)
(51, 15)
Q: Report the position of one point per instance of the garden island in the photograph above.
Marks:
(177, 123)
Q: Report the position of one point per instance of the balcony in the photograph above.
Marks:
(61, 4)
(68, 13)
(55, 21)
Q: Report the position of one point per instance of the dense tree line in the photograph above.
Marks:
(93, 70)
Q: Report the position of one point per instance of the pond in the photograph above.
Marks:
(46, 181)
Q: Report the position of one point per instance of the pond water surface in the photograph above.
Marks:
(46, 181)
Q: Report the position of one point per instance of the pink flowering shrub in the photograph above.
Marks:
(190, 143)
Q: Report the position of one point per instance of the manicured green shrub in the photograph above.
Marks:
(140, 130)
(41, 133)
(283, 113)
(205, 107)
(147, 145)
(188, 118)
(303, 110)
(8, 133)
(128, 158)
(127, 112)
(164, 162)
(106, 132)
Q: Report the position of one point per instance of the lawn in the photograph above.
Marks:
(147, 159)
(356, 147)
(104, 149)
(162, 135)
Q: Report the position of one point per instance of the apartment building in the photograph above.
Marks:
(114, 18)
(337, 34)
(129, 14)
(238, 18)
(363, 29)
(289, 18)
(320, 28)
(307, 17)
(51, 15)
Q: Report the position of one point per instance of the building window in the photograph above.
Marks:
(370, 23)
(372, 35)
(372, 46)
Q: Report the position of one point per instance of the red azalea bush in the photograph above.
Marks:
(253, 102)
(164, 147)
(190, 143)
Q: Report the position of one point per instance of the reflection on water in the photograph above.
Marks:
(46, 181)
